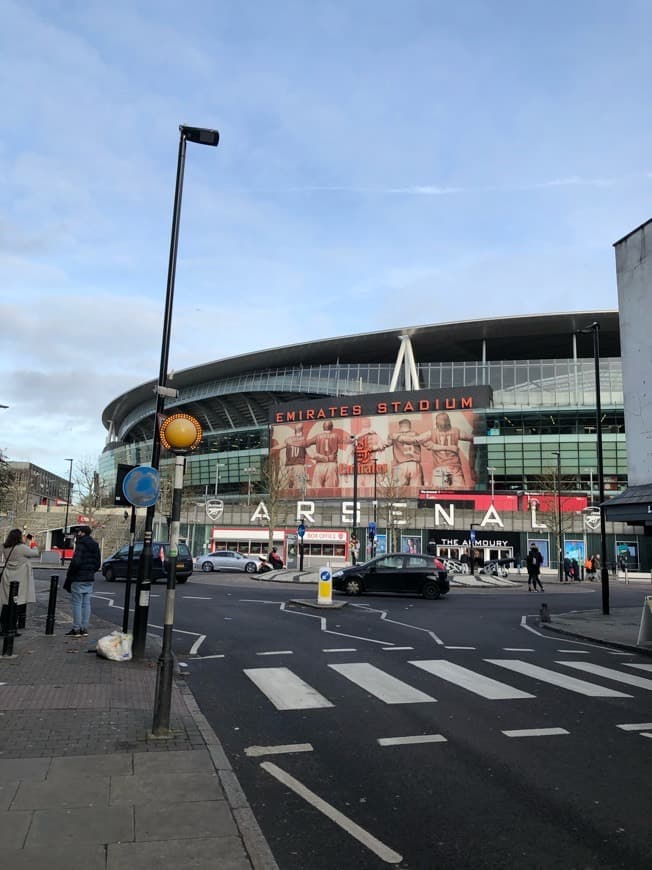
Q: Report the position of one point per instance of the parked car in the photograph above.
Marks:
(395, 572)
(115, 567)
(227, 560)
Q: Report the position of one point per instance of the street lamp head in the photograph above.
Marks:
(587, 329)
(201, 135)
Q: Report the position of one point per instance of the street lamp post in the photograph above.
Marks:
(604, 570)
(180, 433)
(65, 522)
(374, 544)
(354, 521)
(590, 470)
(203, 137)
(557, 453)
(491, 469)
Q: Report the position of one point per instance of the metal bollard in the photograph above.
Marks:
(12, 616)
(544, 616)
(52, 603)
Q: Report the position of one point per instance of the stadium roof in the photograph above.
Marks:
(541, 336)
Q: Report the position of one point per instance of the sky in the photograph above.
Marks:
(380, 165)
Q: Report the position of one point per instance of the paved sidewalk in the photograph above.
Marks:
(619, 629)
(81, 783)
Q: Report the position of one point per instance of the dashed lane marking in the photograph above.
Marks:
(635, 726)
(276, 652)
(409, 741)
(195, 598)
(536, 732)
(342, 649)
(639, 667)
(203, 658)
(574, 652)
(396, 648)
(368, 840)
(288, 748)
(459, 647)
(517, 649)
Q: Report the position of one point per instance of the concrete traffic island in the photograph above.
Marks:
(312, 602)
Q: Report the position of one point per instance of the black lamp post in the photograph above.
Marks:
(604, 570)
(203, 137)
(557, 453)
(65, 522)
(354, 522)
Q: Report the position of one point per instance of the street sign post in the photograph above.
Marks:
(301, 530)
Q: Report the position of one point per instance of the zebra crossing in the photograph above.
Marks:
(287, 691)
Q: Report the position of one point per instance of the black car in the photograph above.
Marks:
(395, 572)
(115, 567)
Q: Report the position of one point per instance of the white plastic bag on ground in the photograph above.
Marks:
(115, 646)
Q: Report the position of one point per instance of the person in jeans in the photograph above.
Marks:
(80, 575)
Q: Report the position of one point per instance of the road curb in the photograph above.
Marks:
(305, 602)
(253, 838)
(617, 644)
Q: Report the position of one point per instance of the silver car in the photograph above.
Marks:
(227, 560)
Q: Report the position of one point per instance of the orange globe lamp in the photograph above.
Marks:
(180, 433)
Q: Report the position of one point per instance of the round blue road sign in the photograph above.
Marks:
(324, 574)
(142, 485)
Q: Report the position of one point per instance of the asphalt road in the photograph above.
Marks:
(324, 718)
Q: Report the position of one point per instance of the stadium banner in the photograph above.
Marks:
(400, 443)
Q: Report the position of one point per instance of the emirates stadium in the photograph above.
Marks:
(483, 432)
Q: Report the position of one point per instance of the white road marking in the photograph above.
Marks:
(195, 598)
(575, 652)
(557, 679)
(610, 674)
(383, 616)
(197, 644)
(459, 647)
(636, 726)
(470, 680)
(276, 652)
(517, 649)
(616, 652)
(326, 630)
(368, 840)
(578, 642)
(285, 690)
(408, 741)
(256, 751)
(646, 734)
(202, 658)
(536, 732)
(392, 648)
(640, 667)
(381, 685)
(341, 649)
(256, 601)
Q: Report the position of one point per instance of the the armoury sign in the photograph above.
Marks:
(414, 402)
(384, 444)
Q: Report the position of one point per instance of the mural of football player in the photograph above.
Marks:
(406, 449)
(451, 468)
(326, 444)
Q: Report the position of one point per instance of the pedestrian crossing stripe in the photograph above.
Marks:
(468, 679)
(610, 674)
(287, 691)
(381, 685)
(563, 681)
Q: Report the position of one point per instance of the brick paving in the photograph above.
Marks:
(81, 777)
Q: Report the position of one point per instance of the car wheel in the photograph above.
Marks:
(109, 576)
(430, 590)
(207, 567)
(250, 568)
(353, 586)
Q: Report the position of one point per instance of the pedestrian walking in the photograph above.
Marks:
(533, 563)
(17, 566)
(79, 580)
(567, 570)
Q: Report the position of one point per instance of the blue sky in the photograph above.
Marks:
(380, 165)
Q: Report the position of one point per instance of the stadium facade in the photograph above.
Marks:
(456, 433)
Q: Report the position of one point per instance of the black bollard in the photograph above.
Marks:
(12, 616)
(52, 603)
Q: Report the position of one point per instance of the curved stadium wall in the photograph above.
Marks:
(539, 373)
